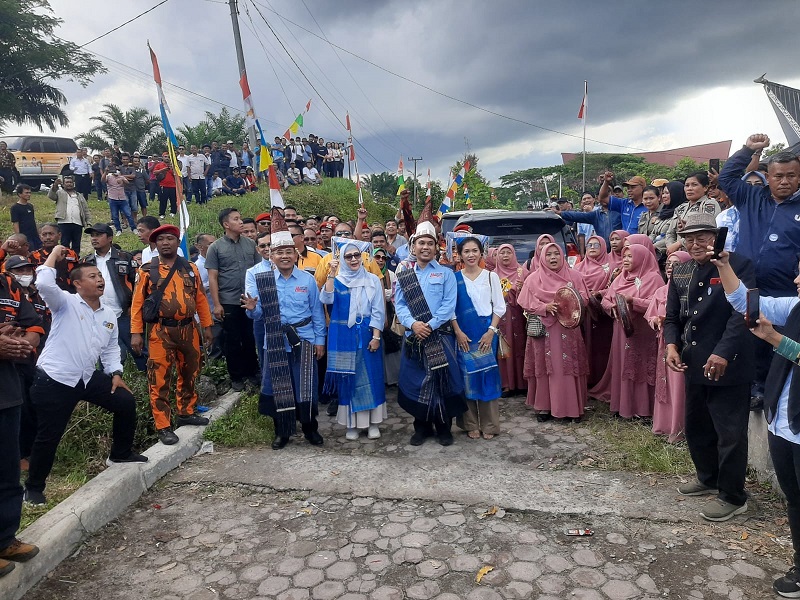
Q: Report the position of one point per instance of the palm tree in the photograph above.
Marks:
(380, 185)
(225, 126)
(134, 129)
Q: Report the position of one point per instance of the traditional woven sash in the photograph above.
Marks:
(433, 356)
(681, 279)
(276, 356)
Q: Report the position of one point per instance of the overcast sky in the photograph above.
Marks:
(661, 74)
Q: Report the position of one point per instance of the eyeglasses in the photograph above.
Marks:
(262, 246)
(593, 245)
(308, 239)
(701, 241)
(379, 257)
(352, 256)
(758, 183)
(294, 235)
(344, 234)
(263, 223)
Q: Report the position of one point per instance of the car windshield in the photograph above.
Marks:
(523, 244)
(14, 143)
(521, 232)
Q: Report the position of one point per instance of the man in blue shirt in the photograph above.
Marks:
(630, 208)
(303, 324)
(600, 217)
(233, 185)
(432, 394)
(251, 290)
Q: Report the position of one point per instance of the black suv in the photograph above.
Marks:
(521, 229)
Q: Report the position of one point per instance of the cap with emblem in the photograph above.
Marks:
(99, 228)
(636, 180)
(15, 262)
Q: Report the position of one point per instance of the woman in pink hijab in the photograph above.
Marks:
(542, 240)
(616, 241)
(557, 361)
(512, 324)
(630, 372)
(642, 240)
(669, 410)
(597, 328)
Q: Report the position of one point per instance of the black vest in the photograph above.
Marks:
(778, 372)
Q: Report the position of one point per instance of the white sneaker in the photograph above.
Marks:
(171, 214)
(160, 216)
(117, 234)
(373, 432)
(351, 435)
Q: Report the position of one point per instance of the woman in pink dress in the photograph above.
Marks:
(557, 361)
(669, 411)
(597, 328)
(533, 262)
(642, 240)
(632, 363)
(616, 241)
(512, 325)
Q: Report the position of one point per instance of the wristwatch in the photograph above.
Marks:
(116, 373)
(493, 328)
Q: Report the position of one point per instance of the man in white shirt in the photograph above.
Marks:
(183, 159)
(82, 170)
(144, 227)
(83, 332)
(311, 175)
(119, 271)
(197, 166)
(202, 242)
(234, 157)
(216, 185)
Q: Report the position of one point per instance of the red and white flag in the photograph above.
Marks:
(275, 197)
(582, 110)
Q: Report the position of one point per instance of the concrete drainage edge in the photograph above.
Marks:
(98, 502)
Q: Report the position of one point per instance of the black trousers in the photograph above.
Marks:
(28, 423)
(428, 427)
(71, 236)
(716, 432)
(167, 193)
(786, 460)
(83, 184)
(10, 489)
(239, 345)
(198, 190)
(54, 403)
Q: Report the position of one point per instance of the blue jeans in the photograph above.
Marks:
(10, 489)
(116, 207)
(98, 187)
(141, 196)
(133, 200)
(209, 179)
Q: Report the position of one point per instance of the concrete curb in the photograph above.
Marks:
(104, 498)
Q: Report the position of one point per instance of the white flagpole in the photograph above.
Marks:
(585, 111)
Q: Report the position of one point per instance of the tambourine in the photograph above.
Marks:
(569, 310)
(623, 314)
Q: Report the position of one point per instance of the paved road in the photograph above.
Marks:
(381, 520)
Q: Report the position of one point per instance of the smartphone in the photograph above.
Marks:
(719, 243)
(753, 309)
(713, 165)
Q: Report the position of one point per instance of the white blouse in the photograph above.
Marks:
(484, 296)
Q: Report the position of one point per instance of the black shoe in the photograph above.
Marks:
(507, 394)
(279, 442)
(757, 403)
(417, 439)
(237, 386)
(324, 399)
(132, 457)
(445, 439)
(314, 438)
(192, 420)
(333, 407)
(167, 436)
(254, 381)
(788, 586)
(34, 498)
(542, 417)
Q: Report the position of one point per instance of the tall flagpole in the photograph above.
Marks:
(237, 41)
(585, 94)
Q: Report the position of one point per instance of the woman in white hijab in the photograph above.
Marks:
(355, 362)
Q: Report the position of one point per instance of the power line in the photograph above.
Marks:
(450, 97)
(322, 99)
(121, 25)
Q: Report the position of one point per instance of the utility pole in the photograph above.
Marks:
(237, 39)
(415, 176)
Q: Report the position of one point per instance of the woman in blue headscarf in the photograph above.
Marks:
(355, 362)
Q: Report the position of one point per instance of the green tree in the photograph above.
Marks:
(225, 126)
(34, 58)
(774, 149)
(134, 129)
(196, 135)
(380, 185)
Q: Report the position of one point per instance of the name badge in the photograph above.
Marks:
(436, 275)
(301, 289)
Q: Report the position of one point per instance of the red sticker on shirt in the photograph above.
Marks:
(715, 281)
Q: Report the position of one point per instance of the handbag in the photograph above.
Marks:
(536, 328)
(503, 347)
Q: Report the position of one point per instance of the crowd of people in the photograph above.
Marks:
(317, 310)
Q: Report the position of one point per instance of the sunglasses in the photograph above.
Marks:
(344, 234)
(379, 257)
(352, 256)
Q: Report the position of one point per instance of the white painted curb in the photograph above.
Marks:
(101, 500)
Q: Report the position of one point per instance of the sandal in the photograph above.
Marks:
(488, 436)
(474, 435)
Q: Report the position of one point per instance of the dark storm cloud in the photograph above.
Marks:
(523, 59)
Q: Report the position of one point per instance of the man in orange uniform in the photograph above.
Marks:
(173, 336)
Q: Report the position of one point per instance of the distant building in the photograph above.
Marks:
(670, 158)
